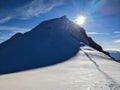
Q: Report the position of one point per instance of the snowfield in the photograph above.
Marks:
(88, 70)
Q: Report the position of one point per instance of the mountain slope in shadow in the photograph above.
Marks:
(49, 43)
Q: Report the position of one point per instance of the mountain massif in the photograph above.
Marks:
(49, 43)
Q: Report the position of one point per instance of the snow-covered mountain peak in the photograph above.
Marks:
(52, 41)
(71, 60)
(64, 17)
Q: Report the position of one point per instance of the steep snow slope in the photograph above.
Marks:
(88, 70)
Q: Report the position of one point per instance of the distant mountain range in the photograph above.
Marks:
(49, 43)
(115, 55)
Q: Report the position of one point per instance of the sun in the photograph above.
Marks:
(80, 20)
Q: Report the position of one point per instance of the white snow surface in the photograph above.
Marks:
(88, 70)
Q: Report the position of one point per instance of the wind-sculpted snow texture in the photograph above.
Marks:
(88, 70)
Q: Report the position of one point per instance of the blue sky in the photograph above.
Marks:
(102, 17)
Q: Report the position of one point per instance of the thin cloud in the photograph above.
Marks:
(14, 29)
(117, 41)
(94, 33)
(32, 9)
(37, 7)
(5, 19)
(112, 49)
(117, 32)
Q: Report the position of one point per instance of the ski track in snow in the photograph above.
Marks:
(112, 82)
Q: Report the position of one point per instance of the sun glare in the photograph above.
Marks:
(80, 20)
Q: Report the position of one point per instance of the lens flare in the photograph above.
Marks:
(80, 20)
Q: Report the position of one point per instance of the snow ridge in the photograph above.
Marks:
(112, 83)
